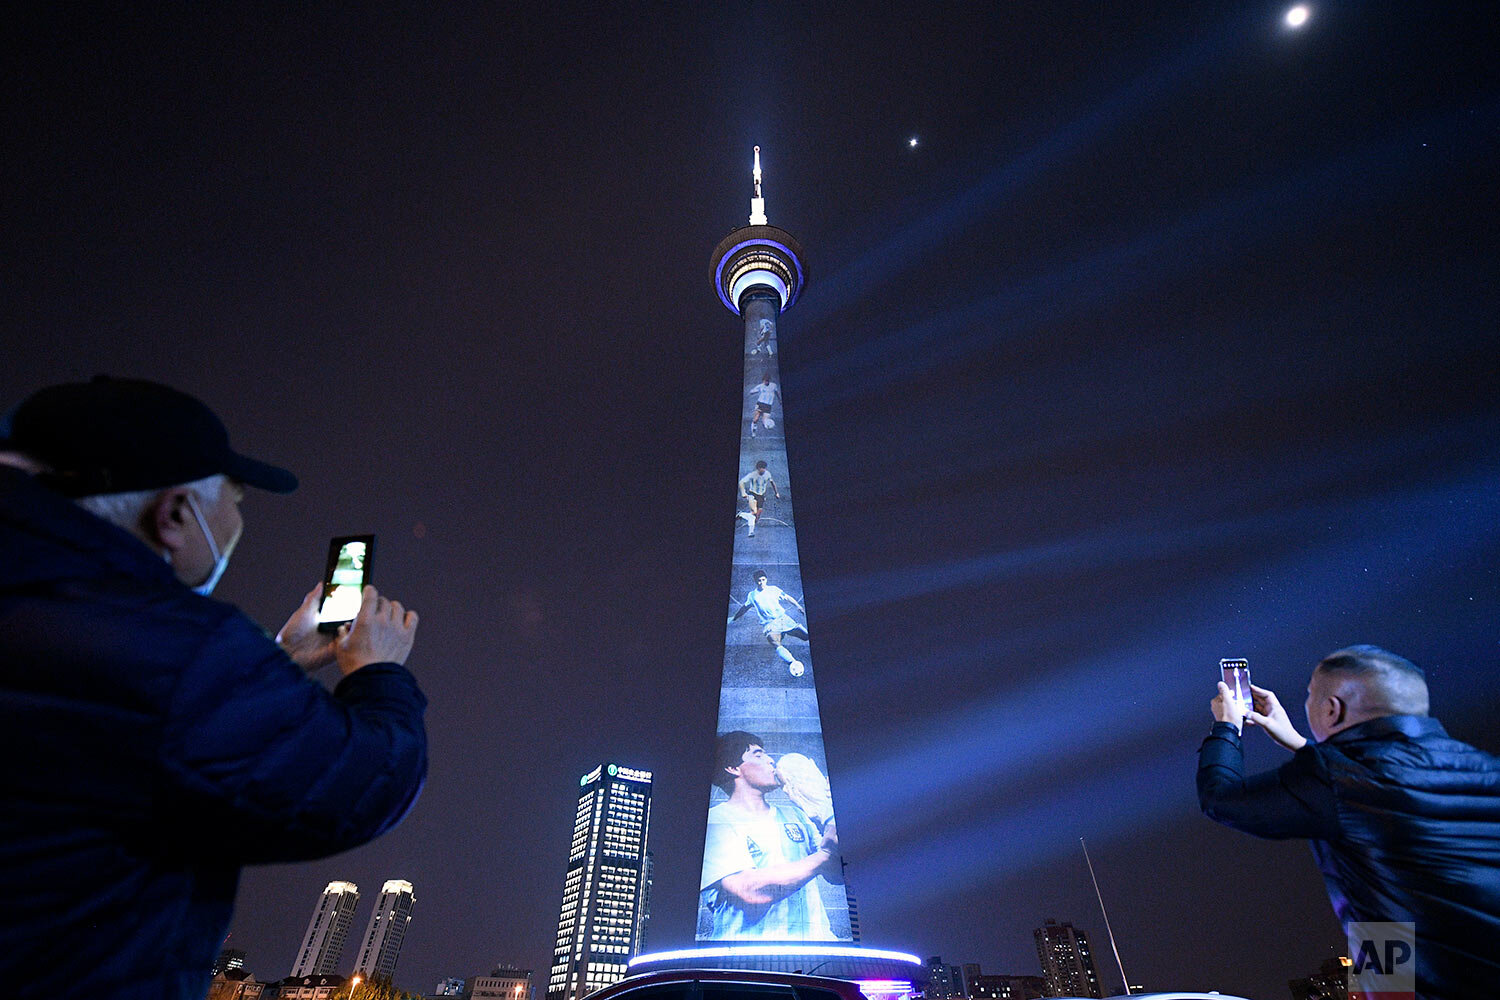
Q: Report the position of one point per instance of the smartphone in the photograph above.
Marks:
(350, 558)
(1237, 679)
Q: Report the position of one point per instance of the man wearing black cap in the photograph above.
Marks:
(153, 741)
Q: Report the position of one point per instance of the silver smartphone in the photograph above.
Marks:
(1237, 679)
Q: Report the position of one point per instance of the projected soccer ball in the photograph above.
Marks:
(796, 668)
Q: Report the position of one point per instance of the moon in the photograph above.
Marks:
(1297, 16)
(912, 142)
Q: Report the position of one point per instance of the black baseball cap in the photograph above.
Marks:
(116, 435)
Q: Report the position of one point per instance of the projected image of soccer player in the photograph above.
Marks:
(763, 863)
(754, 485)
(765, 339)
(774, 621)
(766, 394)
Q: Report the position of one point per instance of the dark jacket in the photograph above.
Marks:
(153, 742)
(1405, 826)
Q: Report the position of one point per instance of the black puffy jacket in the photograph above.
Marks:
(1405, 826)
(155, 741)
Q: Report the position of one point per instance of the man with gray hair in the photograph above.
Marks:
(155, 740)
(1404, 820)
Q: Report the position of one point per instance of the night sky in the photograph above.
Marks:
(1173, 338)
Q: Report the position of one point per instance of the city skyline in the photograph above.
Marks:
(946, 981)
(1170, 340)
(338, 901)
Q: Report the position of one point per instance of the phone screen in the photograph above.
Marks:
(348, 570)
(1237, 679)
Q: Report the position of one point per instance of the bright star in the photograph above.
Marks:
(1297, 16)
(912, 142)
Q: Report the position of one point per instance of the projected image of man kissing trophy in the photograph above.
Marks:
(763, 862)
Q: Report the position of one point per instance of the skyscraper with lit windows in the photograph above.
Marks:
(1067, 961)
(387, 929)
(323, 944)
(603, 903)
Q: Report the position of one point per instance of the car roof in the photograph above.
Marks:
(843, 987)
(1169, 995)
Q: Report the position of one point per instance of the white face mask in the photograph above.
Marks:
(221, 559)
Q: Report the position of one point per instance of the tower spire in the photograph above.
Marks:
(757, 203)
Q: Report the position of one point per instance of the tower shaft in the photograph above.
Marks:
(771, 865)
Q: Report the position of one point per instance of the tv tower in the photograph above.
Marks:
(771, 892)
(768, 694)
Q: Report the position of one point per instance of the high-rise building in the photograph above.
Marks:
(503, 983)
(600, 923)
(971, 976)
(328, 930)
(229, 958)
(1007, 987)
(1067, 960)
(387, 929)
(944, 981)
(1330, 983)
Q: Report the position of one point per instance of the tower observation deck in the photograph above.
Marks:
(771, 893)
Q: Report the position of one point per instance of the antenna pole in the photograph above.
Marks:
(757, 203)
(1124, 980)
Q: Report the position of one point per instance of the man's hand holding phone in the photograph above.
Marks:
(310, 648)
(1270, 716)
(1226, 708)
(382, 632)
